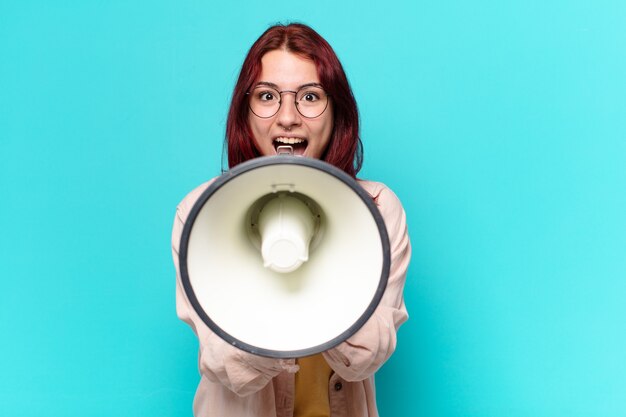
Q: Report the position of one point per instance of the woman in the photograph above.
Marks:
(292, 93)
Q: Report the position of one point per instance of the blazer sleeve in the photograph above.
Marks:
(220, 362)
(362, 354)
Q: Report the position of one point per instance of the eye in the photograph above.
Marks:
(266, 96)
(309, 96)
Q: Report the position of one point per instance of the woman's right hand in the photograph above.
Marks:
(239, 371)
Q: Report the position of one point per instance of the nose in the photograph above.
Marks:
(288, 115)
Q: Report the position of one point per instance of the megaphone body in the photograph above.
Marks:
(270, 244)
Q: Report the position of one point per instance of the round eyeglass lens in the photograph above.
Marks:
(311, 101)
(264, 101)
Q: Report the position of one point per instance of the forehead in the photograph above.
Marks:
(287, 70)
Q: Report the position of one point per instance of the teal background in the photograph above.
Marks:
(500, 125)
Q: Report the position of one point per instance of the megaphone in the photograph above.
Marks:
(284, 256)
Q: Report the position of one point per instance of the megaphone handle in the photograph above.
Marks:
(284, 150)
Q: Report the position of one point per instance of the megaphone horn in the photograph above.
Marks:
(284, 256)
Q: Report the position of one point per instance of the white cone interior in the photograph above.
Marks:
(299, 310)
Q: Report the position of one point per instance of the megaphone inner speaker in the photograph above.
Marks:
(274, 313)
(288, 222)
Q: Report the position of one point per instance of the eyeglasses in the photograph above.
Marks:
(265, 101)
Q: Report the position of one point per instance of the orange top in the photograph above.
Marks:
(311, 393)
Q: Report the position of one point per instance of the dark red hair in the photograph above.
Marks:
(345, 150)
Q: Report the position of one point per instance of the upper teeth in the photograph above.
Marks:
(290, 141)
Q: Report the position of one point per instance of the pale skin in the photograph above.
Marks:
(308, 137)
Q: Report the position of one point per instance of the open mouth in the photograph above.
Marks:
(297, 144)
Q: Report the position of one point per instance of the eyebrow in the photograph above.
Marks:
(275, 86)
